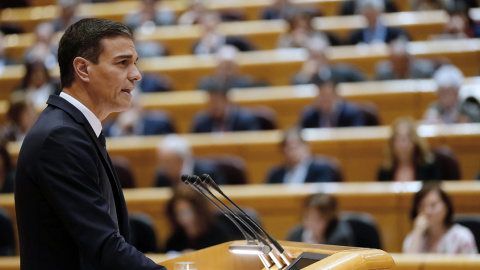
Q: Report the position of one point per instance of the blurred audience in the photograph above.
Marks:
(67, 16)
(193, 224)
(227, 72)
(407, 155)
(299, 165)
(459, 25)
(138, 122)
(321, 223)
(318, 63)
(150, 14)
(221, 115)
(433, 228)
(376, 31)
(7, 171)
(424, 5)
(175, 158)
(37, 84)
(195, 11)
(21, 116)
(44, 48)
(402, 65)
(300, 31)
(212, 39)
(153, 82)
(280, 9)
(350, 7)
(328, 108)
(448, 109)
(4, 59)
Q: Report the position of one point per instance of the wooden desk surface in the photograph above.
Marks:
(281, 206)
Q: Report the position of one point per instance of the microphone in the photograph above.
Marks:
(195, 182)
(208, 181)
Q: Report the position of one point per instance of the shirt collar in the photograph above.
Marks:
(91, 118)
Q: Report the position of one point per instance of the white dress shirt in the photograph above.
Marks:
(91, 118)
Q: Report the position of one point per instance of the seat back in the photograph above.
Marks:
(232, 230)
(370, 113)
(447, 162)
(333, 164)
(364, 228)
(471, 221)
(7, 235)
(142, 233)
(232, 168)
(124, 172)
(266, 116)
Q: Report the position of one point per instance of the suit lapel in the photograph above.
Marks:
(114, 183)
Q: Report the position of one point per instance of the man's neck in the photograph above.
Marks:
(76, 92)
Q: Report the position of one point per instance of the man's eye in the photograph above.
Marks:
(124, 62)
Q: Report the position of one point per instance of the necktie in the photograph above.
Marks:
(103, 141)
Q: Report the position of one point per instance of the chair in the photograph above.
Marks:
(7, 235)
(232, 168)
(266, 116)
(122, 167)
(364, 228)
(370, 113)
(230, 227)
(471, 221)
(447, 162)
(333, 164)
(142, 233)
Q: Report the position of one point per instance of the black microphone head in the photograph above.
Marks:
(187, 179)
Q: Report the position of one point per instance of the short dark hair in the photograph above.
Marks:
(427, 188)
(84, 39)
(293, 132)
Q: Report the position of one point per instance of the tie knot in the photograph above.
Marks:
(102, 139)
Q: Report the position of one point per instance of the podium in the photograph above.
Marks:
(219, 257)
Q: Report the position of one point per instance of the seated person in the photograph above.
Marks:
(223, 116)
(212, 40)
(321, 224)
(150, 15)
(153, 82)
(67, 15)
(193, 14)
(448, 109)
(21, 117)
(300, 31)
(433, 228)
(226, 72)
(328, 109)
(44, 48)
(175, 159)
(376, 31)
(349, 7)
(279, 9)
(317, 62)
(408, 157)
(138, 122)
(7, 171)
(299, 165)
(459, 25)
(402, 65)
(193, 223)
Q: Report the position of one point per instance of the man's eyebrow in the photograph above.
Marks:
(123, 56)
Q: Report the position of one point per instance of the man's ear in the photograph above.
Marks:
(81, 68)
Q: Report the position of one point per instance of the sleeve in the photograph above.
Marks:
(406, 243)
(68, 177)
(467, 244)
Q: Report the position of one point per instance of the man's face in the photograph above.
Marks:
(113, 79)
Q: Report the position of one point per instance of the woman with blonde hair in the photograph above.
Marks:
(408, 157)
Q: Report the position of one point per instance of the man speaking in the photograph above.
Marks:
(70, 208)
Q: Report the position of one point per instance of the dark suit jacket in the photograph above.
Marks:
(199, 167)
(70, 208)
(347, 116)
(239, 119)
(425, 173)
(317, 172)
(392, 34)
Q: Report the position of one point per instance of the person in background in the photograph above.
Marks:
(193, 14)
(212, 40)
(175, 158)
(408, 157)
(299, 166)
(301, 31)
(67, 16)
(7, 171)
(402, 65)
(226, 72)
(349, 7)
(21, 117)
(433, 228)
(193, 224)
(318, 63)
(45, 48)
(221, 115)
(448, 109)
(150, 15)
(328, 108)
(424, 5)
(139, 122)
(376, 31)
(279, 9)
(321, 224)
(459, 25)
(37, 84)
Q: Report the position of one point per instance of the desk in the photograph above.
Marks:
(281, 206)
(360, 150)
